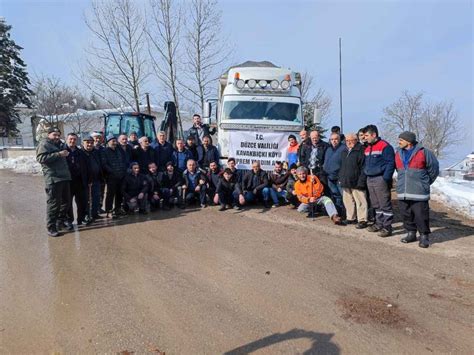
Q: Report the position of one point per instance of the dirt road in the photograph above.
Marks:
(209, 282)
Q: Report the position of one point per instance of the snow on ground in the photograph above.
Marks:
(455, 193)
(22, 164)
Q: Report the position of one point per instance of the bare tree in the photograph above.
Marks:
(436, 125)
(54, 101)
(116, 63)
(319, 100)
(205, 49)
(163, 35)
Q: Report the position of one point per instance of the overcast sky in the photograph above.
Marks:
(388, 47)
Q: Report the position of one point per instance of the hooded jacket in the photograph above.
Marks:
(307, 189)
(414, 179)
(54, 166)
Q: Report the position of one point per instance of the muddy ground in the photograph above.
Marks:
(208, 282)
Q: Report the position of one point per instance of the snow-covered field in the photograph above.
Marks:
(455, 193)
(22, 164)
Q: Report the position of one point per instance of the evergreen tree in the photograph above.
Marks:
(13, 82)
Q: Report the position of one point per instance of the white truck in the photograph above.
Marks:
(259, 105)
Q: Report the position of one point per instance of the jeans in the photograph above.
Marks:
(336, 194)
(264, 193)
(275, 195)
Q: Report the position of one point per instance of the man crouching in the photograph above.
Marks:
(309, 191)
(135, 189)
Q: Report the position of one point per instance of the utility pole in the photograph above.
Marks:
(340, 81)
(148, 106)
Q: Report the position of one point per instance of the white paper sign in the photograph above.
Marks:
(266, 147)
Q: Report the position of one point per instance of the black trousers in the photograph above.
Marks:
(58, 197)
(77, 193)
(114, 194)
(415, 215)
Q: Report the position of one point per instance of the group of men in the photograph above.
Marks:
(345, 178)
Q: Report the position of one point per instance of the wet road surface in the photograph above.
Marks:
(209, 282)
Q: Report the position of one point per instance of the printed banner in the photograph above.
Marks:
(266, 147)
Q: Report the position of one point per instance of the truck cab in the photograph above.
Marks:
(258, 107)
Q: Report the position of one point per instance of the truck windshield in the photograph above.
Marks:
(262, 110)
(149, 129)
(132, 123)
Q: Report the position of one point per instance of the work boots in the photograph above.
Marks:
(409, 238)
(424, 241)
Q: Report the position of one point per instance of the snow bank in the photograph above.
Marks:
(455, 193)
(22, 164)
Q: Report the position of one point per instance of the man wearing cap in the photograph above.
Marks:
(77, 168)
(99, 146)
(56, 176)
(115, 169)
(133, 139)
(417, 169)
(93, 179)
(191, 146)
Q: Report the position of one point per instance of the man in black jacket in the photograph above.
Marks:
(353, 182)
(278, 180)
(92, 180)
(213, 177)
(163, 151)
(192, 147)
(237, 175)
(115, 169)
(171, 182)
(194, 184)
(154, 186)
(125, 148)
(144, 154)
(77, 169)
(228, 191)
(312, 156)
(207, 153)
(255, 185)
(199, 130)
(135, 189)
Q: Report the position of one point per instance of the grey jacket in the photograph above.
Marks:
(416, 174)
(54, 166)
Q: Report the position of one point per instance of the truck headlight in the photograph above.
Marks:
(285, 84)
(262, 84)
(240, 84)
(252, 83)
(274, 84)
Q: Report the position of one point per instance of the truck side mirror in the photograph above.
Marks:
(206, 114)
(316, 116)
(207, 109)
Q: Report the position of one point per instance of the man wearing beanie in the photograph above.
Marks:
(417, 169)
(56, 177)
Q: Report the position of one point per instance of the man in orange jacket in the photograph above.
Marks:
(310, 194)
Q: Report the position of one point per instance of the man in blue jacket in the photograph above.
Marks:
(332, 165)
(379, 168)
(417, 169)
